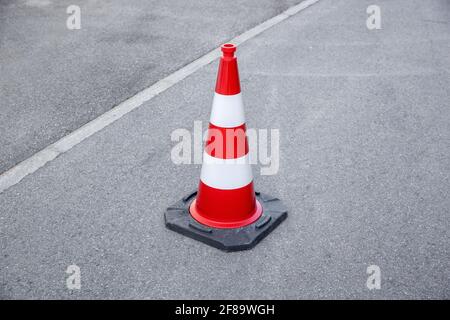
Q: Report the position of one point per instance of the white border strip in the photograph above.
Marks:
(227, 111)
(226, 174)
(17, 173)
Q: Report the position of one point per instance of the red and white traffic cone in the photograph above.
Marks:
(226, 212)
(226, 197)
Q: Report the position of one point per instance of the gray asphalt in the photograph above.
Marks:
(54, 80)
(364, 125)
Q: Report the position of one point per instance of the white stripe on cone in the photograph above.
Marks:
(227, 111)
(226, 174)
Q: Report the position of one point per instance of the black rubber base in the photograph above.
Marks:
(178, 219)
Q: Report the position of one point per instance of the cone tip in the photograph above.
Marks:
(228, 49)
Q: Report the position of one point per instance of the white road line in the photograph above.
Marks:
(39, 159)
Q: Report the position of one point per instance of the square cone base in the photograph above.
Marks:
(178, 219)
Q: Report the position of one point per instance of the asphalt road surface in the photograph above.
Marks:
(54, 80)
(364, 158)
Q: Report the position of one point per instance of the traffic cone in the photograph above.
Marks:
(226, 212)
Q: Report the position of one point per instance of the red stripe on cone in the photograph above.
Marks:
(226, 143)
(225, 208)
(228, 76)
